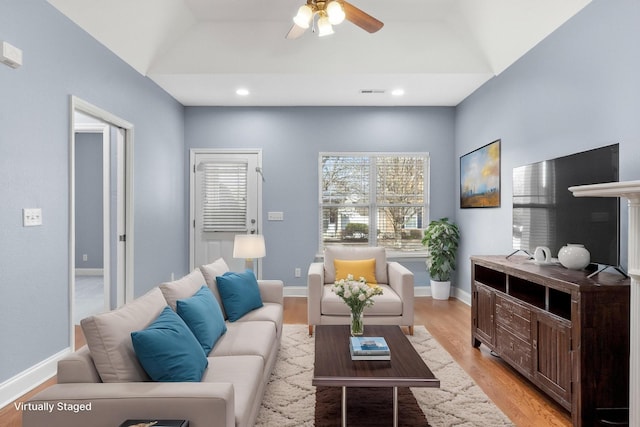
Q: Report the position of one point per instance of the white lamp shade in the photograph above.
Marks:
(303, 18)
(324, 27)
(249, 246)
(335, 12)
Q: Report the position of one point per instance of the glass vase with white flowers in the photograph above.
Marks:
(357, 295)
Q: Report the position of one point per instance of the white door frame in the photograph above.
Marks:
(104, 129)
(125, 294)
(192, 176)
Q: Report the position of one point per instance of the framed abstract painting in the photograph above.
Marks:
(480, 177)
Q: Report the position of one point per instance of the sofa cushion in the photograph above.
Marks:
(182, 288)
(358, 268)
(203, 316)
(168, 351)
(239, 292)
(210, 272)
(247, 338)
(269, 311)
(108, 337)
(332, 253)
(245, 373)
(387, 304)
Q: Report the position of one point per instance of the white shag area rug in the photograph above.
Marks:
(290, 398)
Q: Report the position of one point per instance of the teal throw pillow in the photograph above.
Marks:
(168, 351)
(203, 316)
(239, 293)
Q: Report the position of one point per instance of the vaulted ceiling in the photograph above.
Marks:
(202, 51)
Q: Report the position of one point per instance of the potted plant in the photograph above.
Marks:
(441, 239)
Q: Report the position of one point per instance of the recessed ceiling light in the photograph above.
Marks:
(397, 92)
(242, 92)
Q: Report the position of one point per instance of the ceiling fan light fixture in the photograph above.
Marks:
(304, 16)
(335, 12)
(324, 14)
(324, 26)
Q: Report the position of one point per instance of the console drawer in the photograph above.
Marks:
(514, 317)
(514, 350)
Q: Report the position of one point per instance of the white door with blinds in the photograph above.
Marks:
(225, 201)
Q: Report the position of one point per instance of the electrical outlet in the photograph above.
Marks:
(31, 217)
(85, 257)
(298, 272)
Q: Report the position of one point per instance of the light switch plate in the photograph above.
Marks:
(10, 55)
(31, 217)
(275, 216)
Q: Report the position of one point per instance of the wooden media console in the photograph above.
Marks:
(565, 332)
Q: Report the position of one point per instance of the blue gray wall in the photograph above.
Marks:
(61, 60)
(291, 139)
(578, 89)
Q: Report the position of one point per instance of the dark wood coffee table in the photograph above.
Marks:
(334, 368)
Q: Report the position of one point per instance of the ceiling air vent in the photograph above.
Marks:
(371, 91)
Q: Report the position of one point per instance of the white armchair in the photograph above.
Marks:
(393, 307)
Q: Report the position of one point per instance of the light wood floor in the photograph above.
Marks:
(450, 323)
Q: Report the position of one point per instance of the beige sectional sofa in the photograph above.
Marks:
(103, 384)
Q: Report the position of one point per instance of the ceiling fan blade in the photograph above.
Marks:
(295, 32)
(360, 18)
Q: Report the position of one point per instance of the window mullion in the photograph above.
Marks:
(426, 212)
(373, 196)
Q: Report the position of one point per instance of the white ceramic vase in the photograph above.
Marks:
(574, 256)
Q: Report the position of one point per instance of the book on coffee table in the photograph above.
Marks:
(155, 423)
(369, 345)
(370, 357)
(369, 348)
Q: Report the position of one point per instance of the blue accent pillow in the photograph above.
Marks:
(168, 351)
(239, 293)
(203, 316)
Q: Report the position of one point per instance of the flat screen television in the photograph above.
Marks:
(545, 212)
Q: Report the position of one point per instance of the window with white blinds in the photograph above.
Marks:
(224, 196)
(374, 199)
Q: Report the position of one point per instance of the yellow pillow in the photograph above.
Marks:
(357, 268)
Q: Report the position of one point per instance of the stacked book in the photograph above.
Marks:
(369, 348)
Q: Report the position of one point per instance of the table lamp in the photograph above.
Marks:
(249, 246)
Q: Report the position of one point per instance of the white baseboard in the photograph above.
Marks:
(25, 381)
(419, 291)
(425, 291)
(422, 291)
(295, 291)
(461, 295)
(89, 271)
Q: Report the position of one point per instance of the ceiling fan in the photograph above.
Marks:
(329, 13)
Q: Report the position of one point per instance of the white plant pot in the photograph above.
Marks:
(440, 290)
